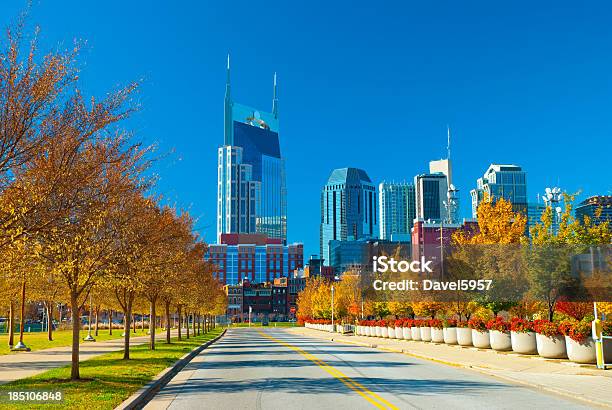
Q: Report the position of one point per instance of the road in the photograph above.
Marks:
(275, 369)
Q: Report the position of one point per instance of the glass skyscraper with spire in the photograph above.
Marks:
(251, 190)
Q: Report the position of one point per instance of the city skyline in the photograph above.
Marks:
(338, 102)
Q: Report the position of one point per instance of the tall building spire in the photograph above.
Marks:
(275, 99)
(448, 142)
(227, 111)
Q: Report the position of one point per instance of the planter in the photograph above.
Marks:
(524, 342)
(391, 332)
(500, 341)
(399, 333)
(450, 335)
(406, 333)
(415, 332)
(366, 330)
(384, 331)
(464, 336)
(481, 340)
(437, 335)
(426, 334)
(377, 331)
(583, 352)
(551, 347)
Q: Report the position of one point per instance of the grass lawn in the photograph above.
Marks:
(108, 380)
(38, 340)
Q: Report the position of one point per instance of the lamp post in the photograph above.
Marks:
(552, 197)
(250, 311)
(89, 337)
(332, 305)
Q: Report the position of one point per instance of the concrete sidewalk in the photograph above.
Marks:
(26, 364)
(583, 382)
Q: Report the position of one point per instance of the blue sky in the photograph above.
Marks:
(369, 85)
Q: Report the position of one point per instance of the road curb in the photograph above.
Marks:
(139, 399)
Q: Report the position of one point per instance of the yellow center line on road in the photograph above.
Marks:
(367, 394)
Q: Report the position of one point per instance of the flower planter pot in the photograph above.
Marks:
(406, 333)
(384, 331)
(391, 332)
(524, 342)
(426, 334)
(583, 352)
(399, 333)
(366, 330)
(500, 341)
(450, 335)
(437, 335)
(464, 336)
(551, 347)
(481, 340)
(415, 332)
(377, 332)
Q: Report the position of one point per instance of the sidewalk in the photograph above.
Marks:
(583, 382)
(26, 364)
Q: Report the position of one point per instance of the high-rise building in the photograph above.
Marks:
(356, 255)
(348, 208)
(502, 181)
(252, 196)
(431, 191)
(598, 208)
(397, 210)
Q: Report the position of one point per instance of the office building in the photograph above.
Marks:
(431, 191)
(502, 181)
(598, 208)
(251, 190)
(397, 210)
(253, 257)
(357, 255)
(348, 208)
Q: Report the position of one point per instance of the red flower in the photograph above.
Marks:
(435, 323)
(477, 324)
(547, 328)
(521, 325)
(498, 324)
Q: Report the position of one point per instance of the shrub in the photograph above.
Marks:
(521, 325)
(449, 323)
(580, 331)
(477, 324)
(547, 328)
(499, 324)
(435, 323)
(565, 327)
(462, 323)
(607, 328)
(381, 323)
(576, 310)
(399, 323)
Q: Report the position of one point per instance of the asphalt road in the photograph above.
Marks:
(274, 369)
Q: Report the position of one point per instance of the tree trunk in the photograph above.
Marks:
(50, 321)
(142, 318)
(134, 323)
(11, 324)
(127, 315)
(180, 317)
(199, 324)
(187, 325)
(152, 323)
(167, 322)
(76, 327)
(22, 316)
(110, 321)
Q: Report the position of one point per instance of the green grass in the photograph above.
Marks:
(38, 340)
(108, 379)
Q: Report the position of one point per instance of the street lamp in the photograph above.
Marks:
(552, 197)
(332, 305)
(89, 337)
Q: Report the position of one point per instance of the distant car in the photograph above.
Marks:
(265, 322)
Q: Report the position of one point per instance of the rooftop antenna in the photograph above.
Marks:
(448, 152)
(275, 99)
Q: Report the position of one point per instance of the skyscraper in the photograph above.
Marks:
(348, 208)
(397, 210)
(502, 181)
(431, 191)
(598, 208)
(251, 190)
